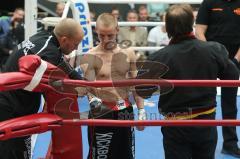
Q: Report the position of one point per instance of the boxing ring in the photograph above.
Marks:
(61, 101)
(46, 122)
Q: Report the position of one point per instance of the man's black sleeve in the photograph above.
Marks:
(53, 56)
(203, 13)
(226, 67)
(68, 69)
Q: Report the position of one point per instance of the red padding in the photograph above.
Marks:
(28, 125)
(29, 64)
(70, 147)
(67, 140)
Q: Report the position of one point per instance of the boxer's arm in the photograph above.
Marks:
(133, 74)
(139, 100)
(87, 66)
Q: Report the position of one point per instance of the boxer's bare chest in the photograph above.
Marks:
(114, 66)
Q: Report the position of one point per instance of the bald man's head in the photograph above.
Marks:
(67, 27)
(69, 34)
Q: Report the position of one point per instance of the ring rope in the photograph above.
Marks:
(125, 123)
(136, 1)
(52, 21)
(162, 82)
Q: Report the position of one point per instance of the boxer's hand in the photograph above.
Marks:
(141, 116)
(95, 102)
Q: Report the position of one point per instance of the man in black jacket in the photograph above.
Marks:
(52, 48)
(219, 20)
(187, 58)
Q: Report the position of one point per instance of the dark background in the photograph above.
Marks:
(9, 6)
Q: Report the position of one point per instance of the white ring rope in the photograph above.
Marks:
(52, 21)
(136, 1)
(66, 9)
(147, 48)
(138, 24)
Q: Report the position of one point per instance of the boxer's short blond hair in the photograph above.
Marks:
(107, 20)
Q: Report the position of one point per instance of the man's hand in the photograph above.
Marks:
(141, 116)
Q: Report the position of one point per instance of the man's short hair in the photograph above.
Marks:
(114, 8)
(67, 27)
(142, 7)
(107, 19)
(132, 11)
(179, 20)
(18, 9)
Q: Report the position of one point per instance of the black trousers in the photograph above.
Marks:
(16, 148)
(112, 142)
(229, 101)
(190, 142)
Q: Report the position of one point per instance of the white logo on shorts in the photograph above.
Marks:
(103, 143)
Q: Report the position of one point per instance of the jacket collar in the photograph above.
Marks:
(55, 40)
(178, 39)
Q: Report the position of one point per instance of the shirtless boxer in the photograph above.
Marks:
(108, 61)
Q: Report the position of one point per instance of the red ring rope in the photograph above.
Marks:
(135, 82)
(125, 123)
